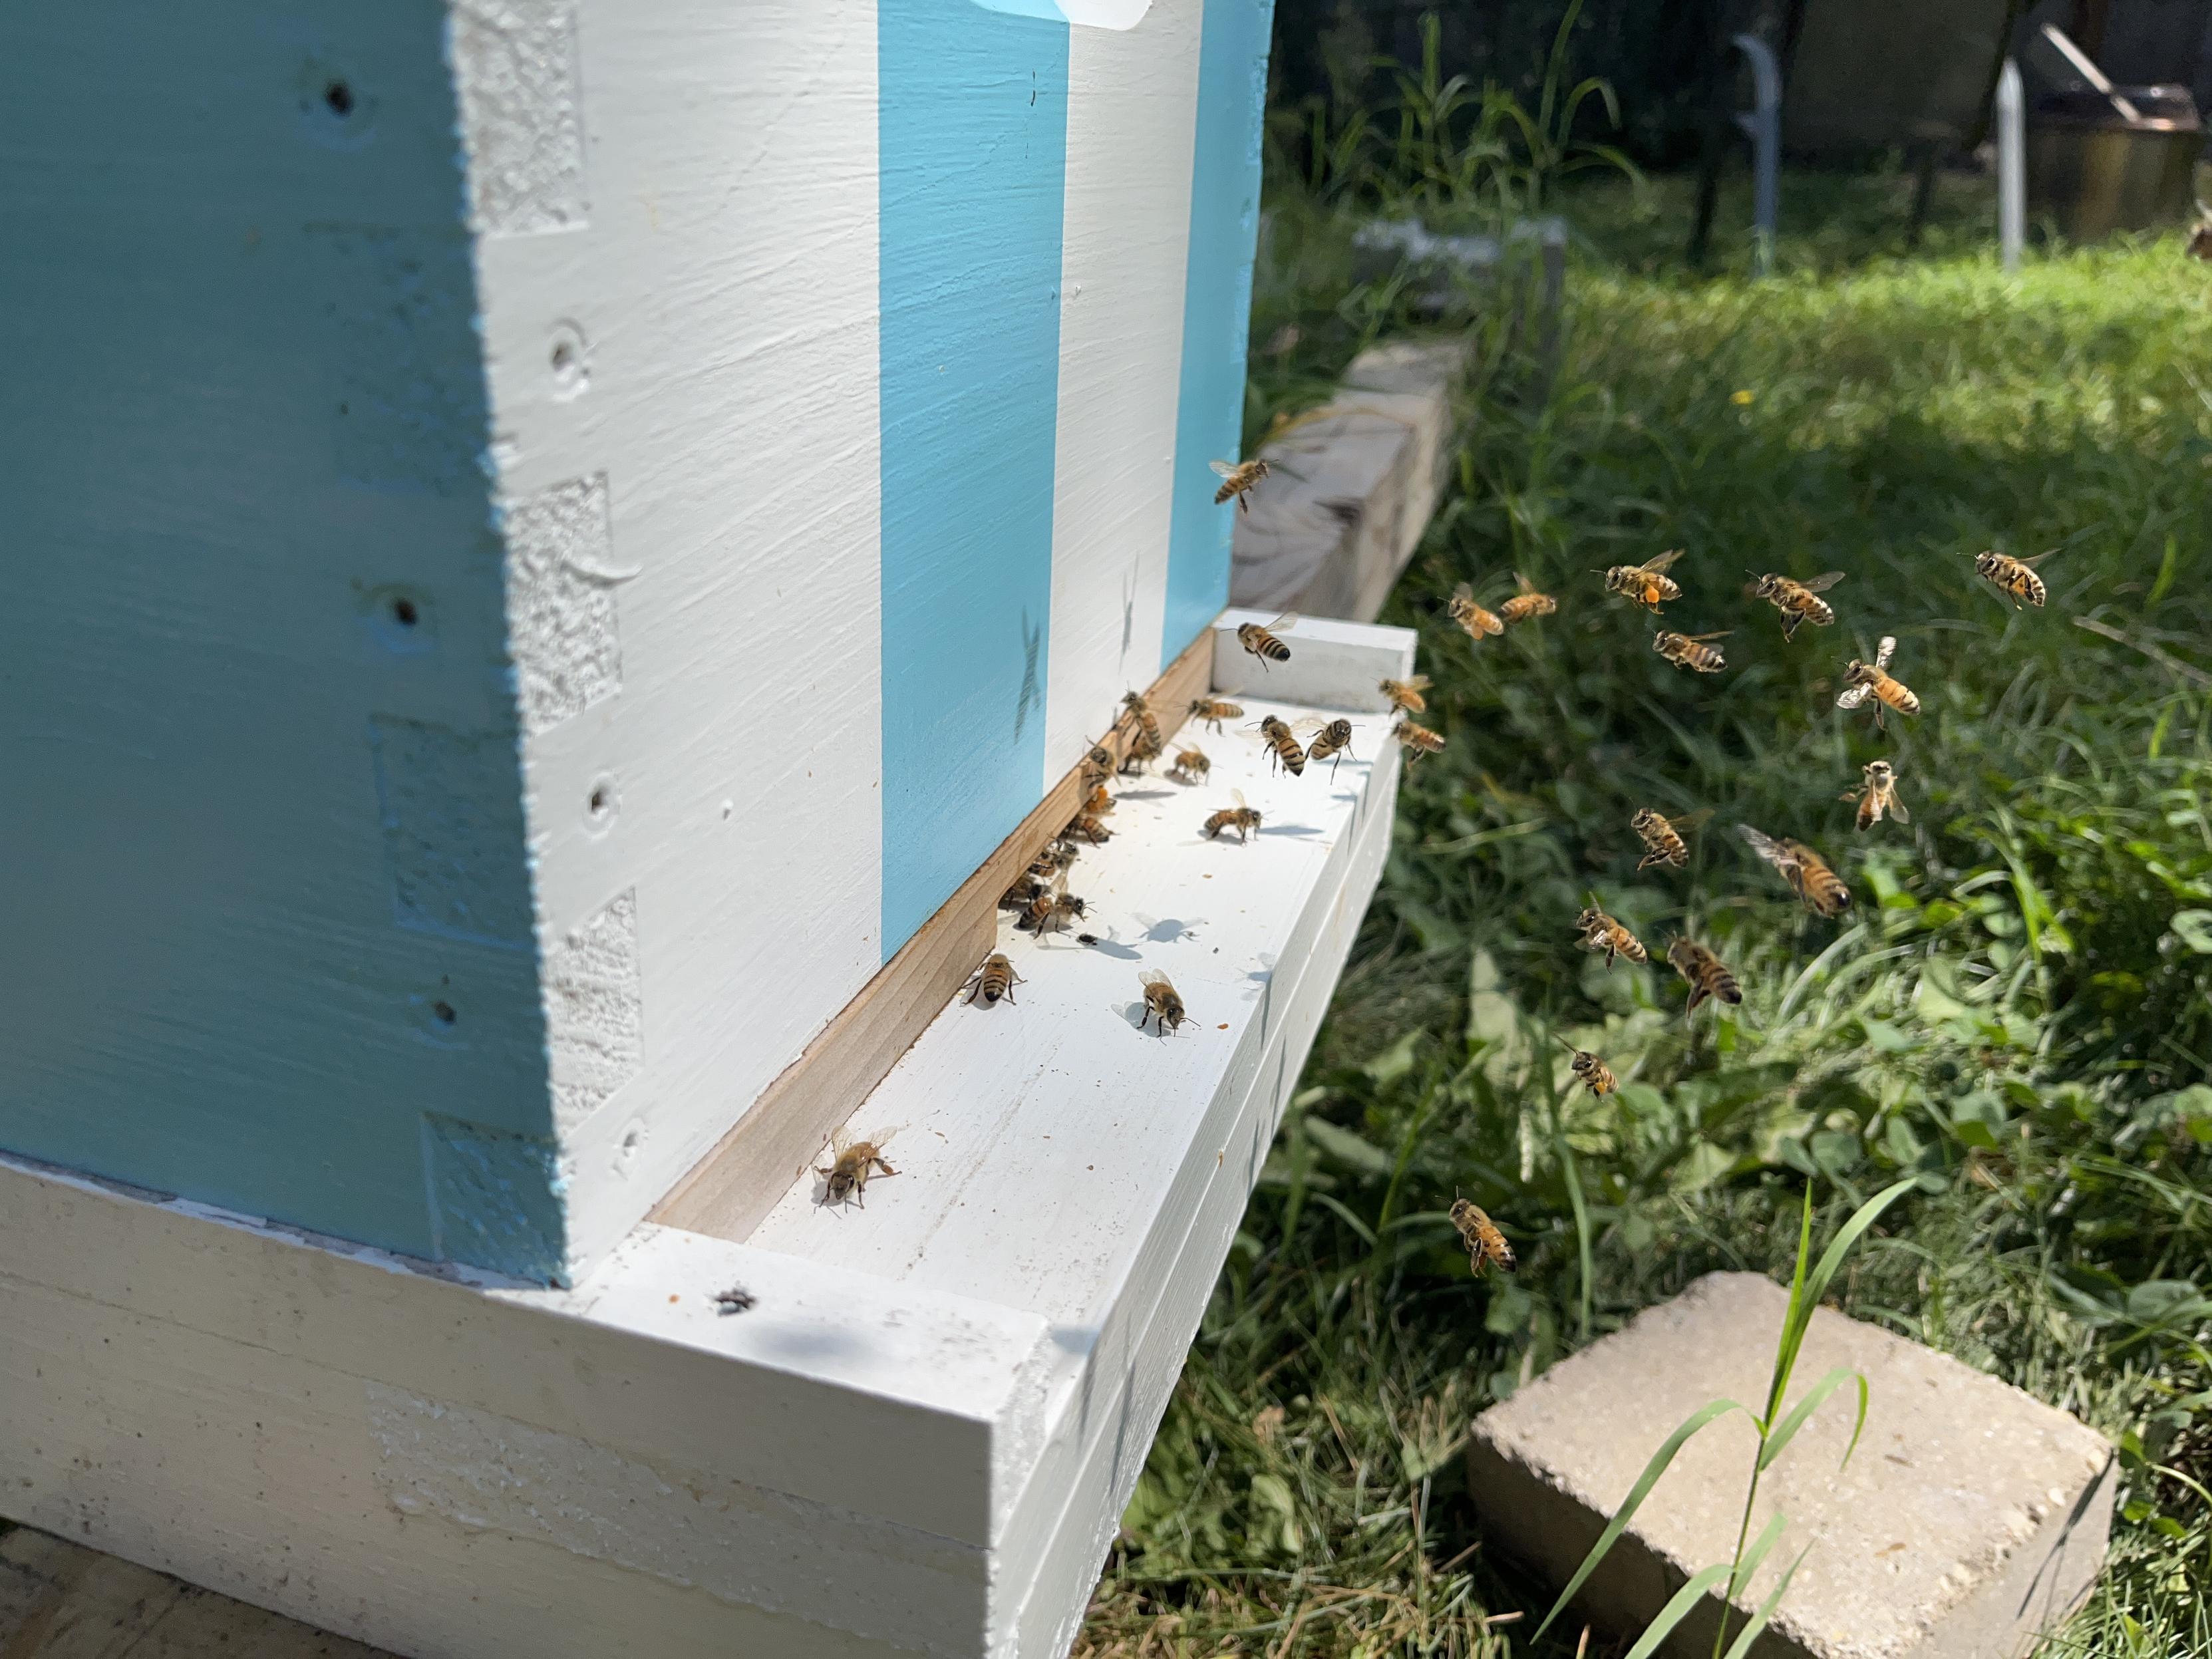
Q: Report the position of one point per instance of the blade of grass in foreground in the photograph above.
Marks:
(1676, 1611)
(1634, 1501)
(1741, 1646)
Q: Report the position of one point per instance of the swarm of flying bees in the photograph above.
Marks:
(1810, 879)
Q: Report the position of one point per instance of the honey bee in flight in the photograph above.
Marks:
(1663, 835)
(1864, 680)
(994, 981)
(1879, 797)
(851, 1163)
(2015, 578)
(1596, 1076)
(1647, 585)
(1191, 765)
(1485, 1243)
(1241, 817)
(1707, 976)
(1405, 695)
(1282, 747)
(1527, 603)
(1261, 642)
(1418, 740)
(1473, 621)
(1691, 650)
(1600, 932)
(1798, 602)
(1050, 909)
(1332, 742)
(1209, 711)
(1162, 1002)
(1239, 480)
(1808, 873)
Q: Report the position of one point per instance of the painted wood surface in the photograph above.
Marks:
(730, 1189)
(821, 369)
(441, 1465)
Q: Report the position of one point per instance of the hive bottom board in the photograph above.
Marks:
(919, 1437)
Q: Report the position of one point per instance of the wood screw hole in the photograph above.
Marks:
(445, 1012)
(337, 97)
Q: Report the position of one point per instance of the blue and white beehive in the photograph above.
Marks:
(551, 536)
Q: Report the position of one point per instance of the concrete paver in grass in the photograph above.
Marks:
(1971, 1517)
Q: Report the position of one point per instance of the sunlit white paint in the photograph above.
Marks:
(1132, 117)
(704, 342)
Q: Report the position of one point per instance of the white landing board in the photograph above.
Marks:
(918, 1439)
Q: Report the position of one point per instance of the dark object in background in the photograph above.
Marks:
(1862, 76)
(2091, 171)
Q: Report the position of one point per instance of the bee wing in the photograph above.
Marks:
(1896, 808)
(1310, 723)
(1239, 795)
(1767, 847)
(1852, 696)
(1464, 591)
(2041, 556)
(1691, 820)
(1823, 582)
(1524, 583)
(1284, 623)
(1888, 646)
(1418, 683)
(1657, 565)
(1152, 977)
(1699, 639)
(1226, 469)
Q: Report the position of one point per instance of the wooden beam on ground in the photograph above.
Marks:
(729, 1191)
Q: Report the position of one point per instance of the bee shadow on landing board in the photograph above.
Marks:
(1296, 831)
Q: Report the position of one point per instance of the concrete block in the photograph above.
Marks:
(1971, 1518)
(1354, 488)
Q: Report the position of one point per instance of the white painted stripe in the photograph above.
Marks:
(1132, 117)
(720, 309)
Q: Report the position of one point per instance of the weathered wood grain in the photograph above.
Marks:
(734, 1186)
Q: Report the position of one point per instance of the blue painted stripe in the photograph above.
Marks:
(1217, 307)
(973, 137)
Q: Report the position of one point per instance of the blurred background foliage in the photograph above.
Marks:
(2016, 1012)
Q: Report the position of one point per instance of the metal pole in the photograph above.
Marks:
(2012, 168)
(1764, 127)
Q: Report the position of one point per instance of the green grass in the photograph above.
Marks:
(2016, 1014)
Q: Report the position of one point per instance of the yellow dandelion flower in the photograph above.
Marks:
(1740, 398)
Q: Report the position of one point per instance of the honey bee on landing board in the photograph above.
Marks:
(852, 1165)
(1663, 835)
(1600, 932)
(1332, 742)
(994, 981)
(1144, 749)
(1405, 695)
(1878, 796)
(1261, 642)
(1863, 680)
(1191, 765)
(1647, 585)
(1239, 480)
(1211, 711)
(1486, 1245)
(1706, 975)
(1808, 873)
(1418, 740)
(1051, 909)
(2014, 578)
(1798, 602)
(1099, 802)
(1473, 621)
(1161, 1002)
(1596, 1076)
(1283, 748)
(1087, 826)
(1691, 650)
(1022, 893)
(1241, 817)
(1527, 603)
